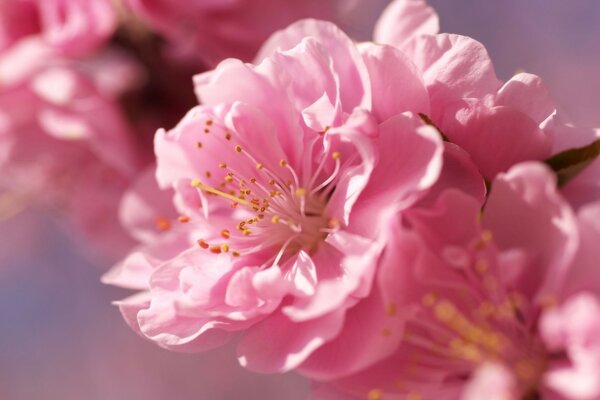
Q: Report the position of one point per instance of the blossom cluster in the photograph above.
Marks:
(387, 218)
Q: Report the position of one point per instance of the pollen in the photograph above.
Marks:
(238, 148)
(275, 219)
(225, 248)
(259, 166)
(300, 192)
(391, 310)
(375, 394)
(162, 223)
(246, 232)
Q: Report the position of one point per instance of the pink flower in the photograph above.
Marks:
(212, 30)
(285, 179)
(502, 308)
(498, 124)
(70, 27)
(65, 141)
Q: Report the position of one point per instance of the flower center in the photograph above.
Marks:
(277, 212)
(463, 326)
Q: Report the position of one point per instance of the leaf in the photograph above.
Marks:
(569, 163)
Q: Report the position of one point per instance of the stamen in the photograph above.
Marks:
(196, 183)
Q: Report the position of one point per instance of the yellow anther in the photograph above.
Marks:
(275, 219)
(225, 248)
(300, 192)
(282, 163)
(259, 166)
(246, 232)
(429, 299)
(222, 165)
(238, 148)
(375, 394)
(162, 223)
(225, 234)
(391, 310)
(196, 183)
(335, 155)
(444, 311)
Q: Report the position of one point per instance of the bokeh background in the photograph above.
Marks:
(61, 339)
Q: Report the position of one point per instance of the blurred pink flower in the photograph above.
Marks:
(70, 27)
(65, 141)
(502, 308)
(212, 30)
(285, 178)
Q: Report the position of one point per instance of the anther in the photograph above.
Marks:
(209, 122)
(198, 145)
(222, 165)
(300, 192)
(183, 219)
(215, 249)
(246, 232)
(225, 248)
(225, 234)
(238, 148)
(203, 244)
(335, 155)
(259, 166)
(162, 223)
(282, 163)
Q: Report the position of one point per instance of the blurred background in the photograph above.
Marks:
(60, 338)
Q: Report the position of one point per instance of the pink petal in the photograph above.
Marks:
(395, 82)
(404, 19)
(347, 62)
(410, 161)
(277, 344)
(525, 211)
(498, 137)
(453, 67)
(527, 94)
